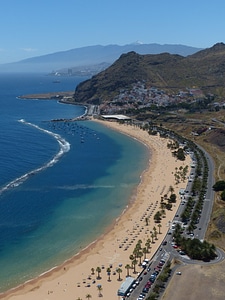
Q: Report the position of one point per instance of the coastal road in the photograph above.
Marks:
(167, 250)
(200, 231)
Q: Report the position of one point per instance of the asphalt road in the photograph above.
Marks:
(167, 252)
(208, 202)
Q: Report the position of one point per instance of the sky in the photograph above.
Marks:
(30, 28)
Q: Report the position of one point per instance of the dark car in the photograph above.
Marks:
(148, 285)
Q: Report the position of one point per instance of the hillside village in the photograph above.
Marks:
(140, 96)
(162, 80)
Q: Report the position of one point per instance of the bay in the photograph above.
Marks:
(79, 178)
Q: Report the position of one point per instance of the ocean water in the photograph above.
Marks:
(61, 183)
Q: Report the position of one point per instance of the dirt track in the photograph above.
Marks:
(197, 282)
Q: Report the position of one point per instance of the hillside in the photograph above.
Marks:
(204, 69)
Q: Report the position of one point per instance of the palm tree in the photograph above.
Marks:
(159, 226)
(108, 273)
(157, 217)
(138, 246)
(135, 251)
(134, 262)
(119, 270)
(162, 204)
(163, 212)
(145, 251)
(78, 298)
(99, 287)
(152, 236)
(146, 221)
(131, 257)
(148, 244)
(171, 189)
(88, 296)
(128, 268)
(139, 242)
(92, 271)
(155, 233)
(98, 270)
(139, 255)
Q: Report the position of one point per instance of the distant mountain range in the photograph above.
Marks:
(204, 69)
(80, 58)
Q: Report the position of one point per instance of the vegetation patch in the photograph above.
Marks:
(220, 223)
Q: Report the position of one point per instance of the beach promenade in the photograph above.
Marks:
(78, 278)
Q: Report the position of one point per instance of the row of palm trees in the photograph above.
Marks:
(194, 248)
(89, 296)
(108, 271)
(165, 204)
(99, 286)
(180, 174)
(139, 251)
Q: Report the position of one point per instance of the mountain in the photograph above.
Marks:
(90, 55)
(204, 69)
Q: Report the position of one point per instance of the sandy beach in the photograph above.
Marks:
(75, 278)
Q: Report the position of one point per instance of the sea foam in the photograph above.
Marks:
(64, 147)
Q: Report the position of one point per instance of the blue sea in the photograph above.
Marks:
(61, 183)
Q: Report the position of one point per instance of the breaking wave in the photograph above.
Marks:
(64, 147)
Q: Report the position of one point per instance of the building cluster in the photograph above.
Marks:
(141, 96)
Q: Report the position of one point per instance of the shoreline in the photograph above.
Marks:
(62, 281)
(47, 96)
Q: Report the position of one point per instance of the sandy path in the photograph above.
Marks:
(74, 278)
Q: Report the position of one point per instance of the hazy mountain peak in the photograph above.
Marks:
(204, 69)
(137, 43)
(91, 55)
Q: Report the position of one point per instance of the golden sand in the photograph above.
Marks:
(74, 279)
